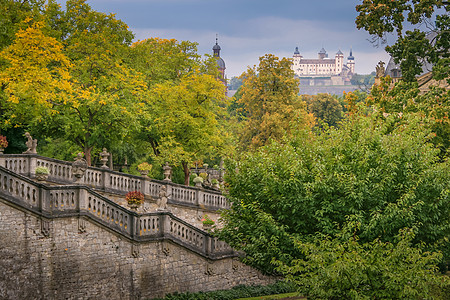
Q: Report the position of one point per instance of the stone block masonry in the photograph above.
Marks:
(78, 258)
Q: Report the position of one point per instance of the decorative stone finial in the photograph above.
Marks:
(380, 69)
(167, 172)
(79, 166)
(31, 144)
(104, 158)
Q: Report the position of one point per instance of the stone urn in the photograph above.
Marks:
(207, 227)
(41, 177)
(167, 171)
(134, 206)
(104, 158)
(144, 172)
(198, 181)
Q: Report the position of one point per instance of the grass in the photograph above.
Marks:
(272, 297)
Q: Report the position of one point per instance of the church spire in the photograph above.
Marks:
(216, 47)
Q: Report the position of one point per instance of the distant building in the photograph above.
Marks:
(424, 79)
(329, 71)
(220, 62)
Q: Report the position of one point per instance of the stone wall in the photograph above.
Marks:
(76, 258)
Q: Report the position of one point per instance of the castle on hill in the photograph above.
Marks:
(323, 70)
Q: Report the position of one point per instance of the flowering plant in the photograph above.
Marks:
(134, 197)
(198, 179)
(41, 170)
(207, 220)
(3, 142)
(145, 166)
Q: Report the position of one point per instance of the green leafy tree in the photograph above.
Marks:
(183, 120)
(13, 13)
(413, 47)
(387, 176)
(235, 83)
(161, 60)
(406, 98)
(343, 268)
(325, 108)
(79, 88)
(36, 79)
(271, 101)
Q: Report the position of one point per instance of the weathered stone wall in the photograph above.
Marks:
(76, 258)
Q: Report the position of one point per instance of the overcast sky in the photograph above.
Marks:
(248, 29)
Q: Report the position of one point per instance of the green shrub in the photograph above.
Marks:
(240, 291)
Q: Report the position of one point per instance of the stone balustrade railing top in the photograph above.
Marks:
(82, 201)
(115, 182)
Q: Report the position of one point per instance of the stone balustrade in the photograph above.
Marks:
(81, 200)
(115, 182)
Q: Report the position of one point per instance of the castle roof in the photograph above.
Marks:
(322, 51)
(220, 63)
(351, 55)
(339, 52)
(318, 61)
(296, 51)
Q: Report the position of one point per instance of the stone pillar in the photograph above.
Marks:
(169, 191)
(2, 160)
(32, 164)
(164, 224)
(200, 200)
(105, 179)
(82, 199)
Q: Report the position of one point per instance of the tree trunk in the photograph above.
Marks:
(87, 155)
(187, 172)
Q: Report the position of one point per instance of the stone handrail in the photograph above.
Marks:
(115, 182)
(79, 200)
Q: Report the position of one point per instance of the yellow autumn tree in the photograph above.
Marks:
(36, 79)
(271, 102)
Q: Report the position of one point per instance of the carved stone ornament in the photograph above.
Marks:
(31, 144)
(235, 265)
(166, 250)
(209, 269)
(167, 172)
(81, 225)
(380, 69)
(162, 200)
(104, 158)
(79, 167)
(135, 250)
(45, 228)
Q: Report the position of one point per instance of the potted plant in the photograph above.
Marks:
(3, 143)
(144, 168)
(41, 173)
(198, 181)
(134, 199)
(215, 183)
(207, 222)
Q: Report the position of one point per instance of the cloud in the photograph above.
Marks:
(246, 40)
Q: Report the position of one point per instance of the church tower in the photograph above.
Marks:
(339, 62)
(351, 62)
(220, 62)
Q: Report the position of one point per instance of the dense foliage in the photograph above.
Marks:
(271, 103)
(343, 268)
(427, 41)
(379, 171)
(240, 291)
(73, 77)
